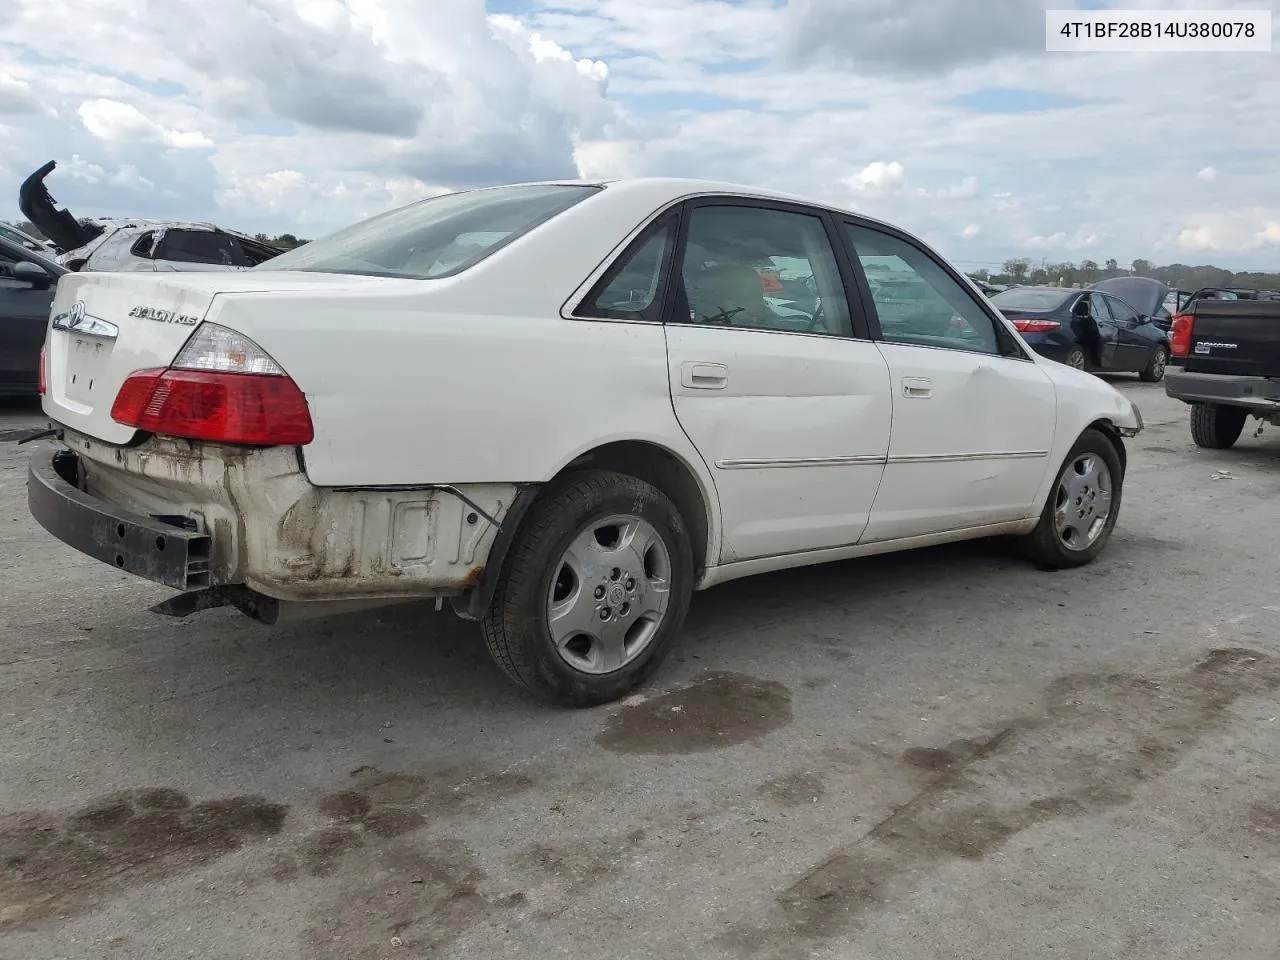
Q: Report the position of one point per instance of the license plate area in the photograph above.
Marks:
(87, 360)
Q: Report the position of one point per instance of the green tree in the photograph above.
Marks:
(1017, 268)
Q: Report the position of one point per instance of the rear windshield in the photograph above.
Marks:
(436, 237)
(1029, 298)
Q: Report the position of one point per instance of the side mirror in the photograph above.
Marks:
(34, 274)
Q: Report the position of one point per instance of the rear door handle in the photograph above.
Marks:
(698, 375)
(917, 387)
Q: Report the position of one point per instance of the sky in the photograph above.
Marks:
(946, 117)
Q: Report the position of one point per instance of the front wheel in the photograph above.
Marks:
(1153, 372)
(594, 591)
(1081, 510)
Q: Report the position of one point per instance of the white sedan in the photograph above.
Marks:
(562, 407)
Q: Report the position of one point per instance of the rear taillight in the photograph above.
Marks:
(1180, 332)
(43, 382)
(1035, 326)
(222, 388)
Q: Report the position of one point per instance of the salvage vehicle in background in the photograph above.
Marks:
(1087, 329)
(27, 282)
(1226, 365)
(1145, 294)
(11, 233)
(136, 244)
(564, 430)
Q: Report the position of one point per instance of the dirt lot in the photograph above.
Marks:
(944, 754)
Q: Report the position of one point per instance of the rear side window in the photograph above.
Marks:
(629, 291)
(201, 246)
(434, 238)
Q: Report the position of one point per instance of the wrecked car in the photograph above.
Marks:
(1089, 329)
(562, 408)
(136, 244)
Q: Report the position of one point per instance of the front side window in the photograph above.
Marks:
(1121, 310)
(761, 268)
(1098, 309)
(437, 237)
(7, 262)
(917, 301)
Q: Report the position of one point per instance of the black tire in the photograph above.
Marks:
(1043, 545)
(1077, 359)
(515, 626)
(1216, 426)
(1153, 372)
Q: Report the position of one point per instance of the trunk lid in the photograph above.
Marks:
(63, 230)
(1236, 337)
(105, 326)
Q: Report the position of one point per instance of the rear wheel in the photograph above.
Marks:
(1216, 426)
(1076, 359)
(594, 591)
(1081, 510)
(1154, 370)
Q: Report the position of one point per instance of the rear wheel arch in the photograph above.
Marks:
(644, 460)
(669, 473)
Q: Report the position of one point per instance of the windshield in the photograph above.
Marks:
(1030, 298)
(436, 237)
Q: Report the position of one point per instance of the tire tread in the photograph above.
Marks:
(1217, 426)
(1041, 545)
(569, 497)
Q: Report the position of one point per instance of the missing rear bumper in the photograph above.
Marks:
(149, 547)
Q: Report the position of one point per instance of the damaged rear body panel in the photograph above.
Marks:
(301, 542)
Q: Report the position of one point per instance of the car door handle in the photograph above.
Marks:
(916, 387)
(697, 375)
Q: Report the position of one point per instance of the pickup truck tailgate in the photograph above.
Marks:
(1235, 337)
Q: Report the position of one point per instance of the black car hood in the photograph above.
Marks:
(63, 230)
(1142, 293)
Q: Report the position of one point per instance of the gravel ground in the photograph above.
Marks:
(938, 754)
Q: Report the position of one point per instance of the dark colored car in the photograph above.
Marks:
(1144, 294)
(1087, 329)
(27, 283)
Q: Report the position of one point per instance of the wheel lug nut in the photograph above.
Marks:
(624, 609)
(631, 584)
(615, 574)
(605, 613)
(599, 593)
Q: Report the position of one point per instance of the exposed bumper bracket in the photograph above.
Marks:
(144, 546)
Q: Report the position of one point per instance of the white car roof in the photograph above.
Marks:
(660, 191)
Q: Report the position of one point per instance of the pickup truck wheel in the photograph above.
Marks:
(1216, 426)
(1154, 370)
(594, 591)
(1081, 510)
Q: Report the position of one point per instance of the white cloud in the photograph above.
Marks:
(877, 178)
(1039, 242)
(305, 114)
(606, 159)
(1230, 231)
(114, 121)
